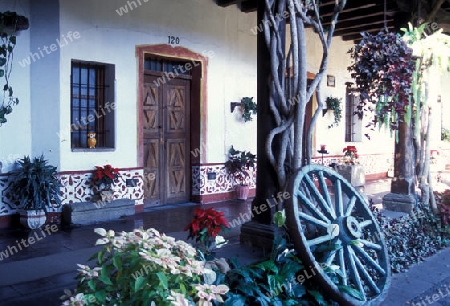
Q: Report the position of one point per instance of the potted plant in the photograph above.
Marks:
(237, 165)
(351, 169)
(248, 107)
(35, 188)
(334, 104)
(205, 227)
(104, 178)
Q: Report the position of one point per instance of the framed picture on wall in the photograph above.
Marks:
(330, 80)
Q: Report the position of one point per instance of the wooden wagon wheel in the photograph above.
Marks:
(331, 224)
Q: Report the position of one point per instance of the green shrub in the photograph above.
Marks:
(412, 238)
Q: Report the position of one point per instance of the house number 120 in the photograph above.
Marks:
(173, 40)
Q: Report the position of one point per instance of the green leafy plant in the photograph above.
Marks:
(443, 203)
(412, 238)
(34, 184)
(383, 68)
(248, 108)
(143, 267)
(445, 134)
(238, 163)
(281, 278)
(334, 104)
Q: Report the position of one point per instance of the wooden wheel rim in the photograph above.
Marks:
(345, 219)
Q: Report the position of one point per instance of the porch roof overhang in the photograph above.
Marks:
(364, 16)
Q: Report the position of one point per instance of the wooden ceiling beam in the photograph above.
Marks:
(249, 6)
(363, 13)
(362, 27)
(357, 36)
(225, 3)
(350, 7)
(362, 23)
(357, 32)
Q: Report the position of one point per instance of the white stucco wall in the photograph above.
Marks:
(107, 37)
(201, 25)
(15, 135)
(334, 138)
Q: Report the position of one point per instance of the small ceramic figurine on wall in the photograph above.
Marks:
(91, 139)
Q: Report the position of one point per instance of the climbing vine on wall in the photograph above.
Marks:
(10, 23)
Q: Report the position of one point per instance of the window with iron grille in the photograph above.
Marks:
(92, 104)
(353, 125)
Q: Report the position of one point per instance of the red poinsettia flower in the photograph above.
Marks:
(105, 175)
(206, 223)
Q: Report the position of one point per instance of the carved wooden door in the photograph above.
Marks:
(166, 140)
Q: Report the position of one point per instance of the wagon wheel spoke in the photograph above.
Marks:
(354, 272)
(330, 257)
(334, 224)
(364, 272)
(371, 244)
(324, 204)
(343, 267)
(350, 206)
(323, 187)
(314, 210)
(313, 220)
(370, 260)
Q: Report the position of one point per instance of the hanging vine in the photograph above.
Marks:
(10, 23)
(382, 69)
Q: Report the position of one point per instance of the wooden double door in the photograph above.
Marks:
(166, 140)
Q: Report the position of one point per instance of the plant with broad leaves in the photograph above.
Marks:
(383, 67)
(143, 267)
(238, 162)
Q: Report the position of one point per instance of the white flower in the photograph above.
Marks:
(220, 242)
(77, 300)
(102, 241)
(178, 299)
(100, 231)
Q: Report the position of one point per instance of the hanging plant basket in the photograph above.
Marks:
(12, 23)
(382, 68)
(334, 104)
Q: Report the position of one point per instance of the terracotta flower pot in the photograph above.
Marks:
(242, 192)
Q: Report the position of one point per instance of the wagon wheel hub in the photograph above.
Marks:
(352, 230)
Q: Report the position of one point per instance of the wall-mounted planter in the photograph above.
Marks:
(11, 22)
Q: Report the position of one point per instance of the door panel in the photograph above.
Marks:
(176, 169)
(151, 172)
(176, 135)
(151, 123)
(166, 141)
